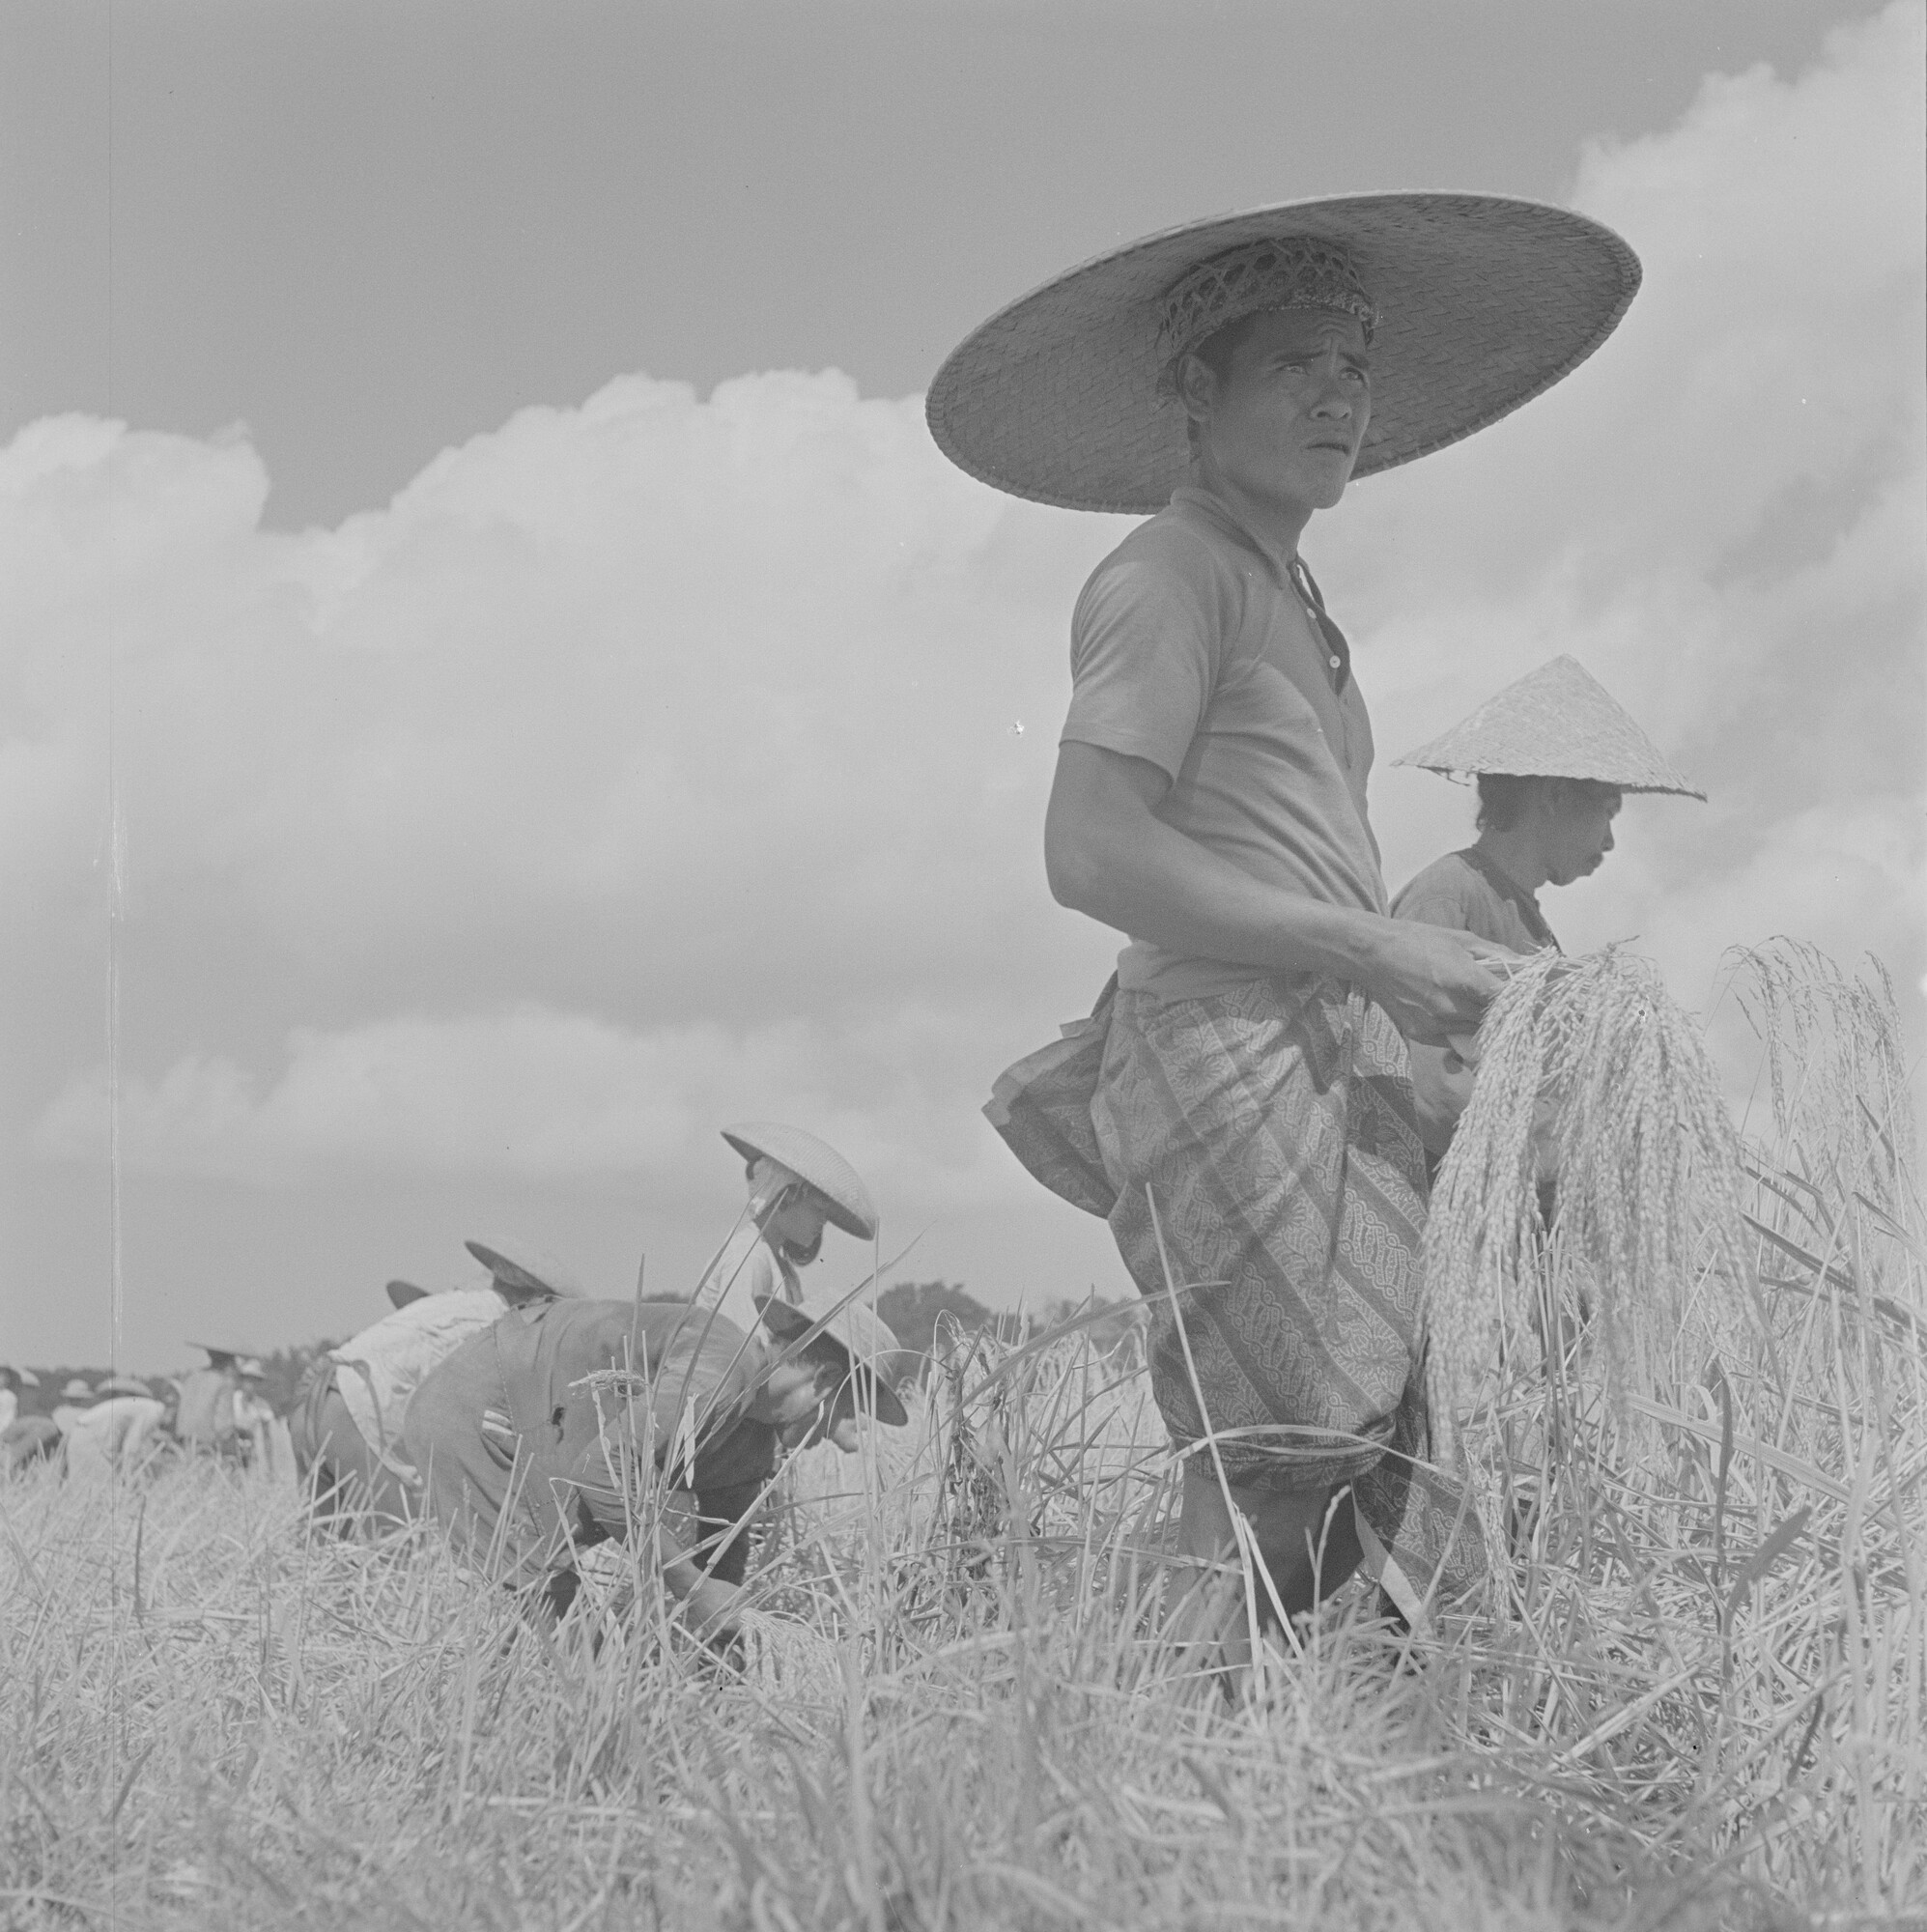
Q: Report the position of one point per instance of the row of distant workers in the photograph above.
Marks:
(118, 1422)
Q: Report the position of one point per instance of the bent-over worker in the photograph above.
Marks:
(110, 1429)
(513, 1438)
(346, 1423)
(204, 1419)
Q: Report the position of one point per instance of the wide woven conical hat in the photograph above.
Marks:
(229, 1351)
(865, 1340)
(847, 1199)
(1558, 721)
(1482, 303)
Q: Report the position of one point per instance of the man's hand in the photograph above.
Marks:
(711, 1608)
(1434, 980)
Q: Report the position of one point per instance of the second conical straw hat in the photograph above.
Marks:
(1558, 721)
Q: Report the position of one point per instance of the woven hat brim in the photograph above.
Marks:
(867, 1355)
(1484, 302)
(529, 1268)
(211, 1349)
(846, 1200)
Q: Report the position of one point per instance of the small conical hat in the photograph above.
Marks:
(231, 1354)
(815, 1161)
(1558, 721)
(402, 1292)
(533, 1269)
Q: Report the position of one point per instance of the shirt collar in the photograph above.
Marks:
(1214, 508)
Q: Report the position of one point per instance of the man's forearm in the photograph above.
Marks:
(710, 1602)
(1153, 883)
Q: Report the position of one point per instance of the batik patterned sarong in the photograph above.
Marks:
(1269, 1134)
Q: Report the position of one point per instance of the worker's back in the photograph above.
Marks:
(204, 1419)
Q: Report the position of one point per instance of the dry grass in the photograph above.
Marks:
(1697, 1701)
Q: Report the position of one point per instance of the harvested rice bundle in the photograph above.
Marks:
(1649, 1181)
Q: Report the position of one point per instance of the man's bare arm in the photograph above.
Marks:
(1108, 854)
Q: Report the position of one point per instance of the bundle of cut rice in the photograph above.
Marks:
(1648, 1167)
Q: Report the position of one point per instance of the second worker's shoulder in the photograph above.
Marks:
(1440, 893)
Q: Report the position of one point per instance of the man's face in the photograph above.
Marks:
(1288, 423)
(1579, 831)
(792, 1392)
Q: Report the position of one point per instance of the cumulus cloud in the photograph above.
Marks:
(1720, 515)
(533, 1095)
(660, 759)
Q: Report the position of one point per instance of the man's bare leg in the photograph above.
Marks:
(1308, 1547)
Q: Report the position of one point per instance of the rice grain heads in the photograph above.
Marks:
(1588, 1068)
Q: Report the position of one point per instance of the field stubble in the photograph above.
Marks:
(1695, 1698)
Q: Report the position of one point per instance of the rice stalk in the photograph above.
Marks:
(1590, 1057)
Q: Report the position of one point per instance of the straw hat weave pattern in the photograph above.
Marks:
(1558, 721)
(1482, 302)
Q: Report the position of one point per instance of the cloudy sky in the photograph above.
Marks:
(499, 683)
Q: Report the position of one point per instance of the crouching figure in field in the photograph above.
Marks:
(530, 1438)
(346, 1424)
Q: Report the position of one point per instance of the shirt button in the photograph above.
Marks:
(1333, 662)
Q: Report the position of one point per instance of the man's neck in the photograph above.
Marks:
(1276, 527)
(1515, 853)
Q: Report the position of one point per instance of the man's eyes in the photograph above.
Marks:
(1350, 372)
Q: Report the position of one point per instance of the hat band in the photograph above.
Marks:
(1290, 272)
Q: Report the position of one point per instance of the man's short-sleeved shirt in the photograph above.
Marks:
(699, 1366)
(378, 1370)
(1191, 649)
(1469, 893)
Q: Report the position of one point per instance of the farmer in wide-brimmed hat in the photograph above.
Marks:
(515, 1432)
(1554, 755)
(347, 1423)
(798, 1186)
(1239, 1106)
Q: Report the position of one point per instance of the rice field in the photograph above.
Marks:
(1693, 1699)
